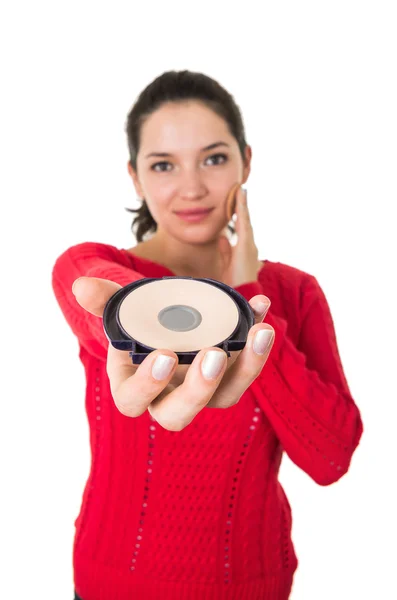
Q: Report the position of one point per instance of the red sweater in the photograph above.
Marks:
(199, 514)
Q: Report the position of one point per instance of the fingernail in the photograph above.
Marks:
(213, 364)
(260, 307)
(262, 340)
(163, 366)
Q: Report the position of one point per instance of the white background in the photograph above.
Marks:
(316, 82)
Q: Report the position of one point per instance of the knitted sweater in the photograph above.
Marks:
(199, 514)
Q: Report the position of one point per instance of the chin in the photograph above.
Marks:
(199, 235)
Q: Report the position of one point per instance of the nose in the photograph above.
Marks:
(191, 186)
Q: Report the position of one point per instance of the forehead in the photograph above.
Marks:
(183, 126)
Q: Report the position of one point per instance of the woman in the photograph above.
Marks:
(183, 502)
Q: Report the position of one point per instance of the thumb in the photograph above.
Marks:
(225, 250)
(92, 293)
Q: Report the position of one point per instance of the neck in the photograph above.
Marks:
(182, 258)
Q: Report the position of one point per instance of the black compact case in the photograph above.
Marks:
(121, 340)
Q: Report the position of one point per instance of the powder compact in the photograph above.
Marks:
(182, 314)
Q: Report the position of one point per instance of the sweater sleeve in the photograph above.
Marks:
(91, 260)
(303, 391)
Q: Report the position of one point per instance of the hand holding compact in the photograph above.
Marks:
(174, 394)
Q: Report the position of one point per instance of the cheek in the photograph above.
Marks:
(154, 185)
(159, 203)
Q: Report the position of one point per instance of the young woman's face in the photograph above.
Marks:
(188, 161)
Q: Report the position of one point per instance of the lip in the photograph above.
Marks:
(194, 215)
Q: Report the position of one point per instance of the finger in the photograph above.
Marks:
(135, 387)
(260, 305)
(243, 224)
(178, 409)
(92, 293)
(246, 368)
(225, 251)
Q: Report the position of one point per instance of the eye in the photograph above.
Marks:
(161, 167)
(153, 167)
(223, 158)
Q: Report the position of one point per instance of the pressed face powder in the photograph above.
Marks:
(183, 315)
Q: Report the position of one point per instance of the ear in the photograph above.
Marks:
(247, 164)
(135, 180)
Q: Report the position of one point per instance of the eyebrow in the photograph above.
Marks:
(210, 147)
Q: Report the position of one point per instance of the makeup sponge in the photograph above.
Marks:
(231, 201)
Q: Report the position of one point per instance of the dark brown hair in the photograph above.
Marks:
(178, 86)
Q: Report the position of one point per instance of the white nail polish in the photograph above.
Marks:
(212, 364)
(162, 367)
(260, 307)
(262, 340)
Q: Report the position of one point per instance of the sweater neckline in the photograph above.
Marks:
(135, 258)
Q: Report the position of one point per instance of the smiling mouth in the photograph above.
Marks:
(194, 215)
(198, 211)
